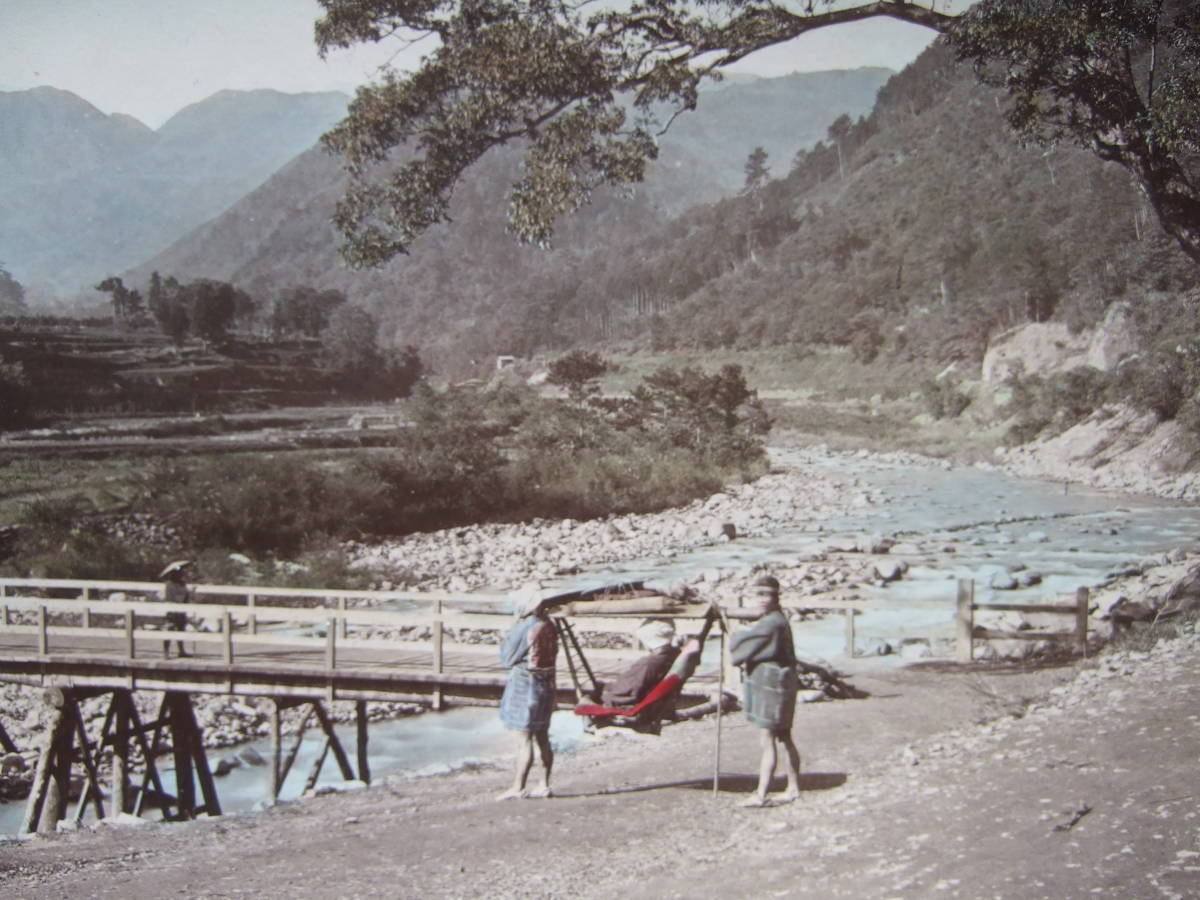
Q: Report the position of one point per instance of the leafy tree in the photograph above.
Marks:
(1119, 77)
(12, 294)
(716, 414)
(588, 90)
(128, 307)
(350, 344)
(577, 371)
(212, 306)
(305, 310)
(757, 170)
(16, 396)
(165, 299)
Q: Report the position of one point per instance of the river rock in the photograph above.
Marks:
(251, 757)
(12, 764)
(890, 571)
(225, 765)
(1003, 581)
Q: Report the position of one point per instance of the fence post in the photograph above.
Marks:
(964, 619)
(1082, 598)
(331, 644)
(43, 637)
(227, 628)
(252, 619)
(129, 633)
(342, 615)
(437, 653)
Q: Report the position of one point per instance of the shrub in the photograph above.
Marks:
(255, 505)
(943, 399)
(1057, 402)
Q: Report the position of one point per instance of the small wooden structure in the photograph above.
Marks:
(968, 632)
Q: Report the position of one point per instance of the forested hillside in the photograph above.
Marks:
(465, 291)
(922, 229)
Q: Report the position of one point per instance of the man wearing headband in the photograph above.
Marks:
(766, 652)
(528, 652)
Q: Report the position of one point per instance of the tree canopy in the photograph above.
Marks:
(1120, 77)
(587, 88)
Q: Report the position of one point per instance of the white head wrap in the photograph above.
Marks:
(655, 633)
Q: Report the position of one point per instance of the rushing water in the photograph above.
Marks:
(1074, 537)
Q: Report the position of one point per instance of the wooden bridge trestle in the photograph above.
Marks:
(175, 731)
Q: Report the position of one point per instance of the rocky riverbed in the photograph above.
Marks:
(801, 495)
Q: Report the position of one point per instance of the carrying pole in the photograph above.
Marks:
(720, 703)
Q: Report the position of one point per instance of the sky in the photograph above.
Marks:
(151, 58)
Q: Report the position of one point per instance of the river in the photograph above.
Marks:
(1073, 536)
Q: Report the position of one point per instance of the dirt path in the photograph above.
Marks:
(1089, 791)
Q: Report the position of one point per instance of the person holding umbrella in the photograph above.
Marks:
(176, 590)
(528, 653)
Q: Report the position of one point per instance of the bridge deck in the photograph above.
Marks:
(470, 673)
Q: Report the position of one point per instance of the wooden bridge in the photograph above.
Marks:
(82, 639)
(79, 639)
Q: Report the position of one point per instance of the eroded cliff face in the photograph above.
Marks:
(1117, 447)
(1048, 348)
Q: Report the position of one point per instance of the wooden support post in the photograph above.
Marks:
(227, 629)
(181, 745)
(339, 753)
(44, 807)
(208, 788)
(964, 619)
(120, 752)
(331, 645)
(1082, 602)
(129, 643)
(438, 668)
(6, 743)
(291, 757)
(149, 754)
(720, 706)
(849, 628)
(43, 637)
(315, 772)
(341, 605)
(273, 781)
(92, 790)
(252, 619)
(361, 722)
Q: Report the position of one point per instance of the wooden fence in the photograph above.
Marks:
(968, 632)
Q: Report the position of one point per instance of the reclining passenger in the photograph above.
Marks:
(632, 685)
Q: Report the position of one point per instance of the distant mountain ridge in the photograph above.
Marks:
(460, 275)
(922, 230)
(84, 194)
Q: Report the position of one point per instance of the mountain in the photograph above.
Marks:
(84, 194)
(923, 230)
(460, 276)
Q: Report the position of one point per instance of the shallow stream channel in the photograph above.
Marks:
(1071, 535)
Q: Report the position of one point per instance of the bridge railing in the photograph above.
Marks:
(331, 620)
